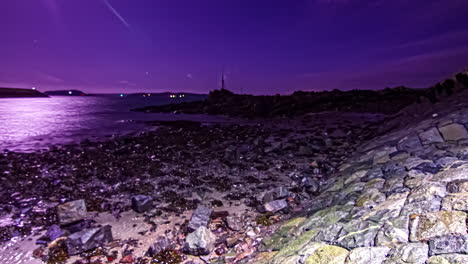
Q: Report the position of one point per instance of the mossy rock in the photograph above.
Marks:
(328, 255)
(294, 246)
(326, 217)
(281, 236)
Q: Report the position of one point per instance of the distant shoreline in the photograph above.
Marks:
(20, 93)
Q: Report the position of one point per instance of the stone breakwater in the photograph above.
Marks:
(401, 198)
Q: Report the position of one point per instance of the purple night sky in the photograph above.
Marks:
(265, 46)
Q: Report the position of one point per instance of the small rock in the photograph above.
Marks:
(71, 212)
(449, 244)
(200, 242)
(89, 239)
(275, 206)
(142, 203)
(200, 217)
(233, 223)
(311, 185)
(161, 244)
(409, 143)
(278, 193)
(453, 132)
(431, 135)
(54, 232)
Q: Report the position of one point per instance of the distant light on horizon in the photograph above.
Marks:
(34, 88)
(69, 92)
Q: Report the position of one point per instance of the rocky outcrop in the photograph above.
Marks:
(400, 198)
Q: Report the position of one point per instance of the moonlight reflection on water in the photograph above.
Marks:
(29, 124)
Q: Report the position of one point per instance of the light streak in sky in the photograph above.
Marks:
(117, 14)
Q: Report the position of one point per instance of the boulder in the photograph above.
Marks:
(431, 225)
(200, 217)
(71, 212)
(449, 244)
(200, 242)
(453, 132)
(414, 253)
(366, 255)
(455, 201)
(328, 254)
(89, 239)
(448, 259)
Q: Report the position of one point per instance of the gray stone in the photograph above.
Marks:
(448, 259)
(367, 255)
(427, 191)
(358, 233)
(372, 174)
(446, 161)
(458, 186)
(392, 184)
(142, 203)
(431, 135)
(234, 223)
(413, 162)
(394, 231)
(388, 209)
(326, 217)
(88, 239)
(409, 143)
(370, 197)
(161, 244)
(422, 207)
(311, 185)
(452, 174)
(449, 244)
(200, 242)
(377, 183)
(275, 206)
(54, 232)
(200, 217)
(455, 201)
(414, 253)
(276, 194)
(71, 212)
(416, 178)
(431, 225)
(329, 234)
(453, 132)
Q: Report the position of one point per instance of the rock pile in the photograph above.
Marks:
(401, 198)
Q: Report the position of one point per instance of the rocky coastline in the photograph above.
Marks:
(319, 187)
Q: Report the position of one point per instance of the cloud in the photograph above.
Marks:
(446, 38)
(49, 78)
(116, 13)
(125, 82)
